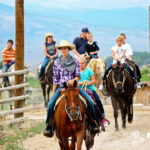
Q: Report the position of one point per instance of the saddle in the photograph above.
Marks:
(62, 94)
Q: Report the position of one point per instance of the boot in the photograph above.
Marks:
(48, 132)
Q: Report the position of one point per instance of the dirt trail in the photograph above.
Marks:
(135, 137)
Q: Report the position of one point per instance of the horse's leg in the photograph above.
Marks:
(65, 143)
(114, 104)
(10, 95)
(72, 146)
(48, 91)
(130, 110)
(43, 86)
(80, 136)
(61, 145)
(124, 116)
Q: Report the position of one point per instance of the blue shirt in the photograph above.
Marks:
(85, 75)
(79, 42)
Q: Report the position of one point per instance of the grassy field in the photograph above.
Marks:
(145, 72)
(33, 82)
(14, 142)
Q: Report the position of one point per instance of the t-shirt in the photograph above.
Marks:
(79, 42)
(118, 53)
(9, 54)
(85, 75)
(128, 49)
(91, 47)
(50, 47)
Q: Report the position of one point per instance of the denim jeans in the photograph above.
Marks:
(51, 104)
(5, 69)
(98, 102)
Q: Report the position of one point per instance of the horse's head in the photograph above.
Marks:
(118, 77)
(72, 101)
(98, 66)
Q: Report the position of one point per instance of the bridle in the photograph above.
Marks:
(119, 82)
(77, 113)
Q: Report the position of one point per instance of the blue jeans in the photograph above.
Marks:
(51, 104)
(5, 69)
(93, 56)
(98, 102)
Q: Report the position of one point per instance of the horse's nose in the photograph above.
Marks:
(74, 115)
(119, 88)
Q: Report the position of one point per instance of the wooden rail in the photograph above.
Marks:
(19, 72)
(14, 87)
(13, 99)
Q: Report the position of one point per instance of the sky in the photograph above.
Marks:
(92, 4)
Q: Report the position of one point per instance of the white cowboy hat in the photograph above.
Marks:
(65, 43)
(47, 35)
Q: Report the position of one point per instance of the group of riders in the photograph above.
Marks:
(68, 68)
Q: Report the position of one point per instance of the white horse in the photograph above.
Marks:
(98, 67)
(11, 81)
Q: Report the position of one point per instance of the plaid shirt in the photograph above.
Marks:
(61, 75)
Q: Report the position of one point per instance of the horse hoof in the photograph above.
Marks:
(117, 129)
(124, 127)
(130, 120)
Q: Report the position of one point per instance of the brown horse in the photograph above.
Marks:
(70, 119)
(47, 81)
(121, 90)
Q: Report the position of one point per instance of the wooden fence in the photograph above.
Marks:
(13, 99)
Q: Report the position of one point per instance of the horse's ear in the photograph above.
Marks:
(103, 59)
(75, 83)
(65, 85)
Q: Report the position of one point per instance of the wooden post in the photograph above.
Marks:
(149, 28)
(19, 46)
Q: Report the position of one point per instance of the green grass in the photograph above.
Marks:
(13, 142)
(145, 72)
(33, 82)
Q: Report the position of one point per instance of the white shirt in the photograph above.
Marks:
(118, 53)
(128, 49)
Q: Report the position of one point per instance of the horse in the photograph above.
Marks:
(11, 81)
(72, 110)
(47, 81)
(98, 67)
(120, 87)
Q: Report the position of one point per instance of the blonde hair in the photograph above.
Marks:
(82, 59)
(119, 38)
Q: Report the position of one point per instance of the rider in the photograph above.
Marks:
(50, 51)
(118, 54)
(66, 69)
(8, 55)
(80, 42)
(129, 54)
(91, 47)
(87, 79)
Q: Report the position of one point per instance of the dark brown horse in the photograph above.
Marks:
(70, 119)
(121, 90)
(47, 81)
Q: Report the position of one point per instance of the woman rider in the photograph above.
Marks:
(66, 69)
(87, 78)
(50, 51)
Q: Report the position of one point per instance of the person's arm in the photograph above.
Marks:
(75, 42)
(44, 47)
(122, 56)
(55, 77)
(76, 74)
(92, 80)
(130, 52)
(96, 52)
(57, 51)
(113, 56)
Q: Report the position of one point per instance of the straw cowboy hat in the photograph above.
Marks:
(65, 43)
(47, 35)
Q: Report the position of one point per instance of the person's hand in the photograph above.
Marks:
(70, 82)
(80, 83)
(51, 57)
(51, 95)
(85, 82)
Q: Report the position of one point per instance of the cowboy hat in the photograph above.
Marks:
(47, 35)
(65, 43)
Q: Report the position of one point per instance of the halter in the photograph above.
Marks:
(77, 113)
(119, 82)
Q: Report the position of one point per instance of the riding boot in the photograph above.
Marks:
(48, 132)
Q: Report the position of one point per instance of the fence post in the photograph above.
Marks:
(19, 46)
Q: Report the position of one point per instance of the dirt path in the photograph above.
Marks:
(135, 137)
